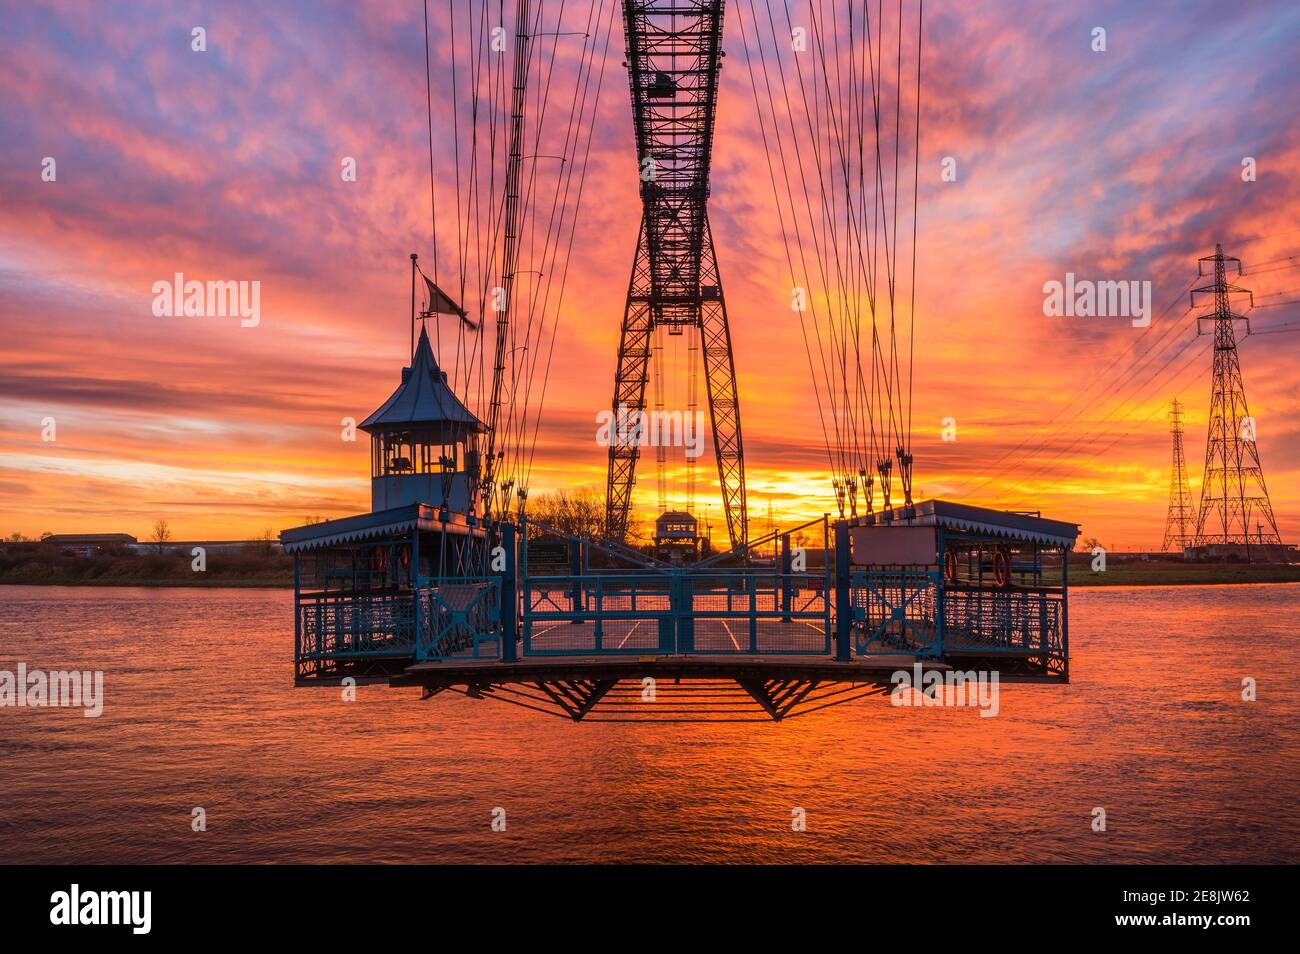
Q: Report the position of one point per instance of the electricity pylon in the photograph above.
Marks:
(1233, 494)
(1180, 523)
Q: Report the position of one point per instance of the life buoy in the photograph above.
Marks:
(1002, 568)
(380, 558)
(950, 567)
(405, 556)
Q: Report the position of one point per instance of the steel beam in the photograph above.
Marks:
(673, 57)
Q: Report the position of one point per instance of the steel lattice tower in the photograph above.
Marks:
(1232, 490)
(1179, 524)
(673, 56)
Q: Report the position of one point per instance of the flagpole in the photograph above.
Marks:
(413, 266)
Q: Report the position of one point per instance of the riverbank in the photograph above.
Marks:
(252, 566)
(257, 566)
(1178, 573)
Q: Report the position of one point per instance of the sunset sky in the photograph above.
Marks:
(225, 165)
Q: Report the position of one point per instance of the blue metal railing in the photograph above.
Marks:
(597, 613)
(705, 608)
(1005, 620)
(755, 611)
(898, 610)
(457, 616)
(335, 626)
(913, 611)
(719, 611)
(657, 607)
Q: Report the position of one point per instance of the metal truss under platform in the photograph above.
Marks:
(667, 688)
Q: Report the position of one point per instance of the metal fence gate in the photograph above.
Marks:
(648, 606)
(897, 610)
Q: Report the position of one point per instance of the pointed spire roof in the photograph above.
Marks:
(424, 401)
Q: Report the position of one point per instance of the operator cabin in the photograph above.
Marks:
(425, 517)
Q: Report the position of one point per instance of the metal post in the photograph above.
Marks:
(843, 593)
(415, 587)
(1042, 621)
(941, 596)
(667, 622)
(753, 613)
(827, 569)
(415, 555)
(685, 613)
(575, 567)
(355, 616)
(1065, 608)
(509, 627)
(413, 267)
(787, 568)
(297, 614)
(525, 601)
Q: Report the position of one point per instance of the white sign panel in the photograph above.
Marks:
(892, 546)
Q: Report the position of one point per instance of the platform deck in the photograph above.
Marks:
(876, 669)
(719, 635)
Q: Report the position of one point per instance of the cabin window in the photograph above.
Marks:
(402, 453)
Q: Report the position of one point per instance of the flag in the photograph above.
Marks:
(440, 303)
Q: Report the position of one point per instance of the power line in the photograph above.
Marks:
(1156, 345)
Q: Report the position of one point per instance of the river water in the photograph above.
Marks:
(200, 711)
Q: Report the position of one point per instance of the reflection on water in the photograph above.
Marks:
(200, 711)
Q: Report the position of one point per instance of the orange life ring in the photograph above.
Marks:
(1002, 568)
(950, 567)
(380, 558)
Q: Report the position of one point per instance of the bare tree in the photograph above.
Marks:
(639, 534)
(576, 512)
(161, 534)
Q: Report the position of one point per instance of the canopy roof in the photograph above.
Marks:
(423, 401)
(394, 523)
(981, 520)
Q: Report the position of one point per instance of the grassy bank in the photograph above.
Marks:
(1177, 573)
(260, 566)
(46, 566)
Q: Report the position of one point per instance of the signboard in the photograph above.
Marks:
(548, 553)
(895, 546)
